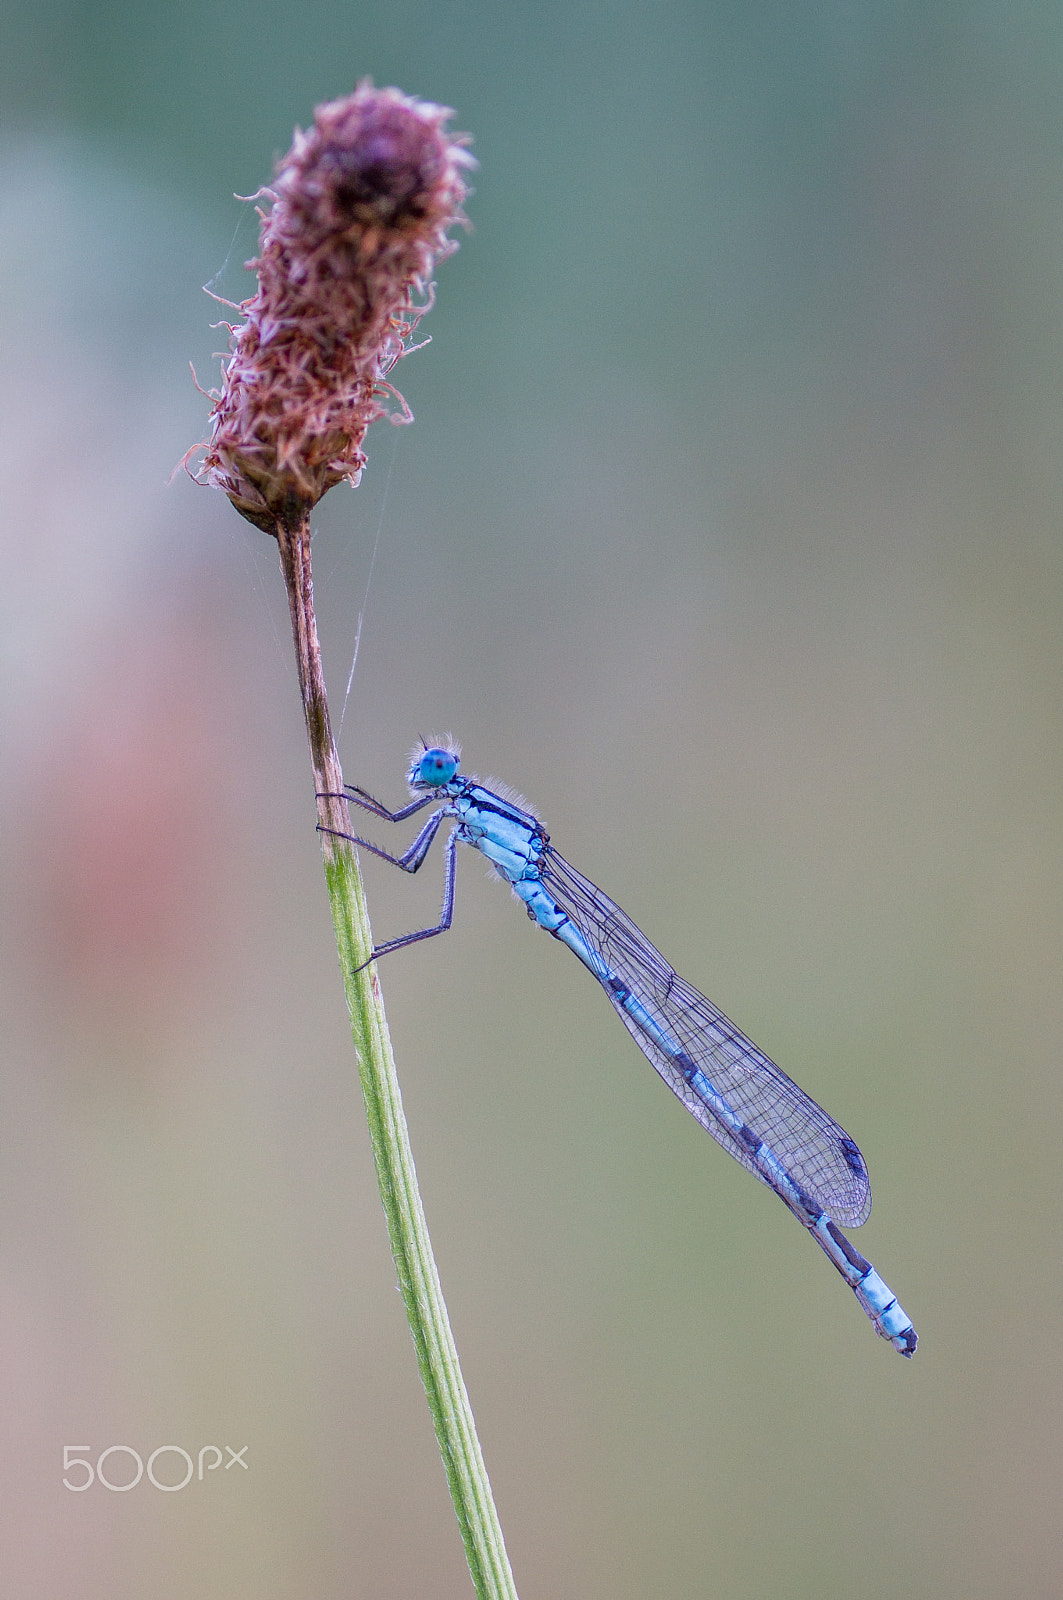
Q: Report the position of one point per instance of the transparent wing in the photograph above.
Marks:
(811, 1146)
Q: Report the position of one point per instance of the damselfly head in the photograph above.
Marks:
(433, 767)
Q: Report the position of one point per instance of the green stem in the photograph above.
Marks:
(433, 1341)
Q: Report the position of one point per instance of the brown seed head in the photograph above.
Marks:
(359, 216)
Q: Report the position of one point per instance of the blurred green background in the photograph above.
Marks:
(728, 532)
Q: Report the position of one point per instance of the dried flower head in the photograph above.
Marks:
(360, 211)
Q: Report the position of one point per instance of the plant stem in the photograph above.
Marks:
(433, 1341)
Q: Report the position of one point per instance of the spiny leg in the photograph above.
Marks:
(376, 807)
(412, 858)
(446, 915)
(409, 863)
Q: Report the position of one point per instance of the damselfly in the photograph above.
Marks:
(746, 1102)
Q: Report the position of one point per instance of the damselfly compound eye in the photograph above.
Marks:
(437, 767)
